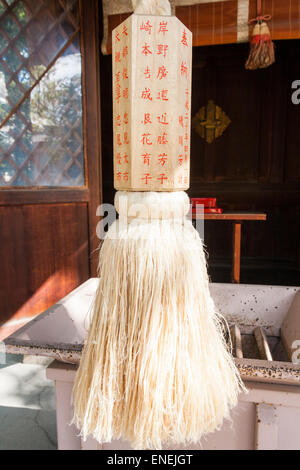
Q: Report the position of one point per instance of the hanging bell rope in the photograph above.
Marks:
(262, 49)
(155, 369)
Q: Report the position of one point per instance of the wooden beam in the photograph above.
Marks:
(90, 49)
(236, 256)
(236, 339)
(262, 344)
(43, 195)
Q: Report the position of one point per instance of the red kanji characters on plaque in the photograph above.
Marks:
(162, 159)
(152, 121)
(147, 178)
(187, 104)
(146, 94)
(145, 49)
(184, 69)
(147, 72)
(118, 93)
(147, 27)
(119, 161)
(162, 49)
(163, 95)
(162, 139)
(147, 119)
(145, 139)
(126, 141)
(163, 27)
(184, 38)
(162, 72)
(146, 158)
(162, 178)
(119, 141)
(162, 119)
(187, 120)
(119, 158)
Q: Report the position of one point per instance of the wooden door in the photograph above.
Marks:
(50, 175)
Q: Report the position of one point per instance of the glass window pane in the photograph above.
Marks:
(41, 136)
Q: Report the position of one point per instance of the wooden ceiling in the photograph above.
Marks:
(223, 22)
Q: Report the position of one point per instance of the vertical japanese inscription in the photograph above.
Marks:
(155, 145)
(184, 117)
(153, 120)
(121, 106)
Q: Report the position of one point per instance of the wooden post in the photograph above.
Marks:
(236, 262)
(236, 339)
(262, 344)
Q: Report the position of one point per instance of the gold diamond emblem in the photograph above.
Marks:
(210, 122)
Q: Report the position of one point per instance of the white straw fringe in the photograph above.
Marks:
(155, 368)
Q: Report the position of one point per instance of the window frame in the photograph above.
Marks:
(91, 193)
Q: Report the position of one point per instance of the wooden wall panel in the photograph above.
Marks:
(90, 47)
(285, 23)
(44, 255)
(292, 163)
(224, 80)
(211, 23)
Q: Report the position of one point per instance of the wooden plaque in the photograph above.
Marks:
(152, 69)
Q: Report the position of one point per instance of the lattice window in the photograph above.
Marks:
(41, 137)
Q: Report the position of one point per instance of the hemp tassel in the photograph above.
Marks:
(262, 49)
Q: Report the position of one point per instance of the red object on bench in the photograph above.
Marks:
(207, 202)
(214, 210)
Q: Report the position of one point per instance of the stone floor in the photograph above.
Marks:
(27, 404)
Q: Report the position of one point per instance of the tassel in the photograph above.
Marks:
(262, 49)
(262, 53)
(155, 368)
